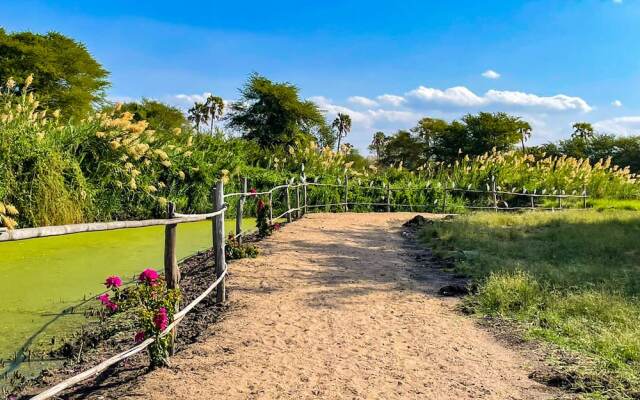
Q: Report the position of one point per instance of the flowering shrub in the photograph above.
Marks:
(152, 306)
(7, 212)
(262, 220)
(235, 251)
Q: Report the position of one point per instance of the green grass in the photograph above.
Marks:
(571, 278)
(39, 278)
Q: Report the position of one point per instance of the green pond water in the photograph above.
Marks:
(41, 278)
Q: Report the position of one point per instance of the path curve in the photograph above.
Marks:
(329, 311)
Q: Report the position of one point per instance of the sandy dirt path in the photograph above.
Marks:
(330, 311)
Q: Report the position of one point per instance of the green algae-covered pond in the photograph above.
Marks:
(41, 280)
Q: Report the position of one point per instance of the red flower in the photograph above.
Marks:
(139, 338)
(149, 276)
(276, 226)
(253, 192)
(160, 320)
(113, 282)
(260, 204)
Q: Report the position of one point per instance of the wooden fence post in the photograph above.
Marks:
(494, 193)
(444, 199)
(270, 207)
(388, 197)
(288, 204)
(346, 192)
(584, 197)
(533, 202)
(560, 201)
(304, 189)
(239, 211)
(218, 237)
(171, 270)
(299, 211)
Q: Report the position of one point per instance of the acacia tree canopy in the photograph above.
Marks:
(65, 75)
(272, 114)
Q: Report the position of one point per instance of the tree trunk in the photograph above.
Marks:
(522, 141)
(211, 127)
(339, 137)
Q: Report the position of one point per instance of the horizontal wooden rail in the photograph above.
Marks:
(563, 196)
(58, 230)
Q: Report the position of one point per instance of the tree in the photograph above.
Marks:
(402, 147)
(160, 116)
(272, 114)
(342, 125)
(525, 133)
(486, 131)
(198, 114)
(378, 143)
(583, 130)
(214, 107)
(65, 75)
(430, 131)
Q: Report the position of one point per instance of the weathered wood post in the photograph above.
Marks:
(533, 201)
(299, 210)
(218, 240)
(494, 193)
(289, 218)
(444, 199)
(584, 197)
(171, 270)
(270, 207)
(346, 192)
(239, 211)
(388, 197)
(304, 189)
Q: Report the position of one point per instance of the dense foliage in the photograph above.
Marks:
(65, 75)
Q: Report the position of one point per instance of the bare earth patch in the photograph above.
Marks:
(330, 310)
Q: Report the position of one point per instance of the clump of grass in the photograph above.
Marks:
(568, 278)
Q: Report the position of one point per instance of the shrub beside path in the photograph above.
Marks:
(329, 311)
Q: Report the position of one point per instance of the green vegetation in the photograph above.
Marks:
(65, 75)
(571, 278)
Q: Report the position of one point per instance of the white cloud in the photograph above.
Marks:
(460, 96)
(491, 74)
(190, 99)
(457, 96)
(629, 125)
(391, 99)
(559, 102)
(616, 103)
(617, 1)
(362, 101)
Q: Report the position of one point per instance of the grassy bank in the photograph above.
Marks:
(570, 278)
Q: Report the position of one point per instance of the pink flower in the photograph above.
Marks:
(106, 301)
(253, 192)
(149, 276)
(260, 204)
(139, 338)
(113, 282)
(160, 320)
(276, 226)
(104, 298)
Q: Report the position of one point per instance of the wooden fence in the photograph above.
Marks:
(300, 194)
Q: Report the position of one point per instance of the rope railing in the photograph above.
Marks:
(173, 219)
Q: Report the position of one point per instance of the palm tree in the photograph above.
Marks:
(342, 124)
(377, 143)
(215, 107)
(198, 114)
(525, 133)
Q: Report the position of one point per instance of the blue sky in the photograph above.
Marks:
(385, 63)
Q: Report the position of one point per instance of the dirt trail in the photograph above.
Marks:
(329, 310)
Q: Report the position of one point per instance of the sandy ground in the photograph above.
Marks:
(330, 311)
